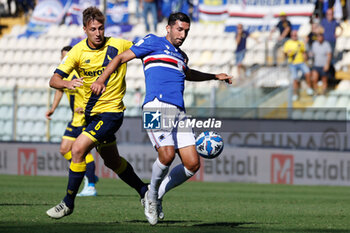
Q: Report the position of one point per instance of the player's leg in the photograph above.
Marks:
(68, 139)
(80, 149)
(66, 147)
(182, 172)
(160, 168)
(112, 159)
(90, 178)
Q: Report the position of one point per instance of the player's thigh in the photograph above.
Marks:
(102, 128)
(81, 147)
(189, 157)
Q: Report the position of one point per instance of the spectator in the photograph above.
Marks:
(322, 54)
(241, 40)
(321, 6)
(330, 25)
(294, 49)
(311, 38)
(150, 6)
(9, 6)
(284, 27)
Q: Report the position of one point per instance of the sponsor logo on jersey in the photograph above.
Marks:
(95, 73)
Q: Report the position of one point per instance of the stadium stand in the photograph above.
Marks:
(27, 64)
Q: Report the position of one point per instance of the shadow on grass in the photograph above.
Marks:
(22, 204)
(190, 226)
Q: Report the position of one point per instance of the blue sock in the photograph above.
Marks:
(74, 181)
(90, 173)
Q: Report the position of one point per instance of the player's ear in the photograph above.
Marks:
(168, 28)
(84, 28)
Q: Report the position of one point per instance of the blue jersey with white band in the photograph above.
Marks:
(164, 66)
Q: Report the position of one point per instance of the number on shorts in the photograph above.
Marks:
(99, 124)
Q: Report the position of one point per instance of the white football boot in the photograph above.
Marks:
(59, 211)
(88, 191)
(151, 210)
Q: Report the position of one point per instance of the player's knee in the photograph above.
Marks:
(166, 155)
(63, 151)
(77, 151)
(193, 165)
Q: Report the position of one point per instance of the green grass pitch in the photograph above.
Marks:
(192, 207)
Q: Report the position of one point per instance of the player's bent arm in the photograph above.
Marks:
(57, 82)
(197, 76)
(56, 100)
(98, 86)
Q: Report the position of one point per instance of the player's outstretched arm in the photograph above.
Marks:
(56, 100)
(197, 76)
(57, 82)
(98, 86)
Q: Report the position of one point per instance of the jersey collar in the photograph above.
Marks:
(103, 44)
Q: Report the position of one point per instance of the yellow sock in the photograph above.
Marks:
(68, 155)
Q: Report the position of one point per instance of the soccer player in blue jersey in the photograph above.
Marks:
(165, 68)
(74, 128)
(103, 112)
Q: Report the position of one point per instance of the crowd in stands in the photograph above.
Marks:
(314, 55)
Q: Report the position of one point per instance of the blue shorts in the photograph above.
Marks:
(320, 71)
(294, 68)
(72, 132)
(101, 128)
(240, 56)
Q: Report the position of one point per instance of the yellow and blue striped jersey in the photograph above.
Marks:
(90, 63)
(76, 101)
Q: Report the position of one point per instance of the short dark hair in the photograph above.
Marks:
(92, 13)
(178, 16)
(66, 48)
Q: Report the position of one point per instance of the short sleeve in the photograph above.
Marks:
(68, 63)
(328, 47)
(144, 46)
(127, 44)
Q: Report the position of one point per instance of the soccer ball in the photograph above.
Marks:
(209, 144)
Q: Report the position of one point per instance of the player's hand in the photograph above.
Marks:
(97, 87)
(224, 77)
(48, 114)
(75, 83)
(79, 110)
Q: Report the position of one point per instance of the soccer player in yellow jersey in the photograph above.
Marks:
(74, 128)
(103, 112)
(294, 49)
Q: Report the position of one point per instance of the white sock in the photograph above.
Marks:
(159, 171)
(177, 176)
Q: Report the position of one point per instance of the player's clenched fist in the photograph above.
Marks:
(97, 87)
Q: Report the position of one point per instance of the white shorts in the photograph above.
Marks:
(171, 135)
